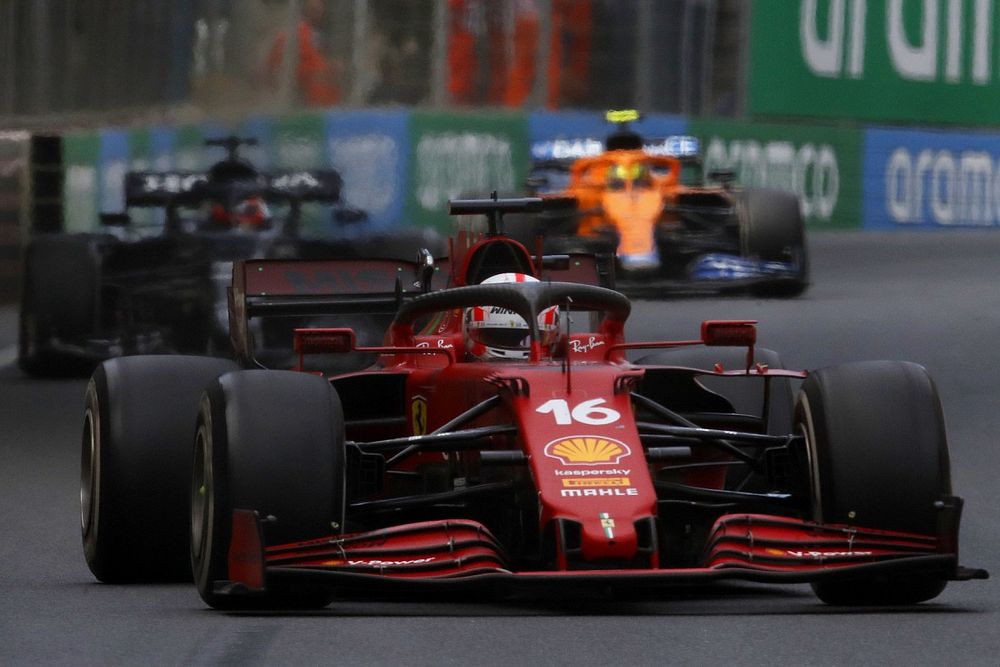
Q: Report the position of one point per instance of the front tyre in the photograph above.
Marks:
(772, 230)
(136, 463)
(878, 458)
(271, 442)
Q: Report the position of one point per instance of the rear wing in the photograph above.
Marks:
(156, 188)
(265, 288)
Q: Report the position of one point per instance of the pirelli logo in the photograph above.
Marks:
(595, 482)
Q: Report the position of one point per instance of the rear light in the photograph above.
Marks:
(729, 333)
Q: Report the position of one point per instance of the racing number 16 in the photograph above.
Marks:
(587, 412)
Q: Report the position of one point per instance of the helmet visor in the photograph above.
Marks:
(508, 338)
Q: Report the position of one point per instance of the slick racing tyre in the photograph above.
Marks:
(878, 458)
(772, 230)
(271, 442)
(59, 297)
(136, 465)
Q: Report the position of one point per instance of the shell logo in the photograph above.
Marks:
(587, 450)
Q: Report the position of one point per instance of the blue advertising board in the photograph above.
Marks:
(113, 159)
(922, 179)
(371, 151)
(161, 148)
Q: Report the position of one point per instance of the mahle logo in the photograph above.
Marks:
(836, 42)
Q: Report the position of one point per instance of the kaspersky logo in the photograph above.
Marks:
(587, 450)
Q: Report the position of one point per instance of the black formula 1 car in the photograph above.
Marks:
(562, 464)
(154, 280)
(644, 204)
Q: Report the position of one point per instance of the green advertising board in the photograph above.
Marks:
(455, 155)
(189, 148)
(80, 183)
(822, 165)
(299, 141)
(935, 61)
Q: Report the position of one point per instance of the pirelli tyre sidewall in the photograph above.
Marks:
(878, 458)
(136, 465)
(271, 442)
(60, 299)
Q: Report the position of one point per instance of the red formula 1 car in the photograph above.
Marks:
(498, 442)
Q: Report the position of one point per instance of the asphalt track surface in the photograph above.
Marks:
(930, 298)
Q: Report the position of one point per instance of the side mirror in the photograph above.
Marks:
(729, 333)
(324, 341)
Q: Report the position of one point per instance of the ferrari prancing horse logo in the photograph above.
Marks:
(418, 415)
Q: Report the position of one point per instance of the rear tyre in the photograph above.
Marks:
(136, 464)
(272, 442)
(878, 458)
(772, 230)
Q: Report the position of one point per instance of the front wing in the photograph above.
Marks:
(459, 555)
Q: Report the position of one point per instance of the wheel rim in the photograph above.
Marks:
(90, 473)
(812, 456)
(202, 503)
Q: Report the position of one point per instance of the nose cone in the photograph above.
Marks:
(634, 213)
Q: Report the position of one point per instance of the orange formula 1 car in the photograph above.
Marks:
(645, 203)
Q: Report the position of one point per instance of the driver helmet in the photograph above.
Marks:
(494, 332)
(252, 212)
(635, 171)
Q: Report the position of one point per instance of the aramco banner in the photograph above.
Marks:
(935, 61)
(821, 165)
(931, 180)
